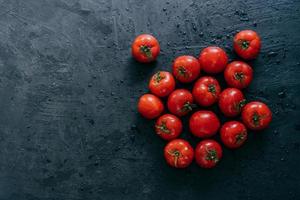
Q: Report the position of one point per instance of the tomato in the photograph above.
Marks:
(186, 68)
(150, 106)
(179, 153)
(145, 48)
(213, 60)
(238, 74)
(162, 83)
(208, 153)
(231, 102)
(180, 102)
(168, 126)
(233, 134)
(206, 91)
(247, 44)
(204, 124)
(256, 115)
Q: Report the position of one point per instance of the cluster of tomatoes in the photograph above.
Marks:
(206, 92)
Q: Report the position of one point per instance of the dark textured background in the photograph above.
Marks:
(69, 87)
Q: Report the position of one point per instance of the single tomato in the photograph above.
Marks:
(206, 91)
(179, 153)
(162, 83)
(256, 115)
(145, 48)
(208, 153)
(168, 127)
(231, 102)
(186, 68)
(213, 60)
(204, 124)
(247, 44)
(238, 74)
(150, 106)
(180, 102)
(233, 134)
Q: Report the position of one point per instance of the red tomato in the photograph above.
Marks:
(238, 74)
(204, 124)
(150, 106)
(186, 68)
(162, 83)
(179, 153)
(231, 102)
(233, 134)
(213, 60)
(256, 115)
(208, 153)
(145, 48)
(247, 44)
(180, 102)
(206, 91)
(168, 126)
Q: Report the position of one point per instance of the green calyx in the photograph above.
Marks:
(158, 77)
(187, 107)
(163, 128)
(182, 72)
(212, 89)
(240, 76)
(240, 137)
(212, 155)
(146, 50)
(240, 105)
(256, 119)
(176, 154)
(244, 44)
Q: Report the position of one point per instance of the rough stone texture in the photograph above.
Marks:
(69, 128)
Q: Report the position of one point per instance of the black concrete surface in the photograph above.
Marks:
(69, 128)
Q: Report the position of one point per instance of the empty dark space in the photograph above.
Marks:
(69, 127)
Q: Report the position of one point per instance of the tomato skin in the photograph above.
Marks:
(180, 102)
(256, 115)
(206, 91)
(204, 124)
(238, 74)
(233, 134)
(186, 68)
(213, 60)
(231, 102)
(162, 83)
(168, 127)
(150, 106)
(179, 153)
(247, 44)
(208, 153)
(145, 48)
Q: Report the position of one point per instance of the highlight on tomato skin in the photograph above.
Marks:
(213, 60)
(179, 153)
(233, 134)
(145, 48)
(162, 83)
(256, 115)
(238, 74)
(247, 44)
(168, 127)
(208, 153)
(150, 106)
(186, 69)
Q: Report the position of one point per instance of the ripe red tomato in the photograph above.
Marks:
(206, 91)
(179, 153)
(168, 127)
(186, 68)
(204, 124)
(162, 83)
(208, 153)
(256, 115)
(213, 60)
(180, 102)
(233, 134)
(231, 102)
(238, 74)
(150, 106)
(247, 44)
(145, 48)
